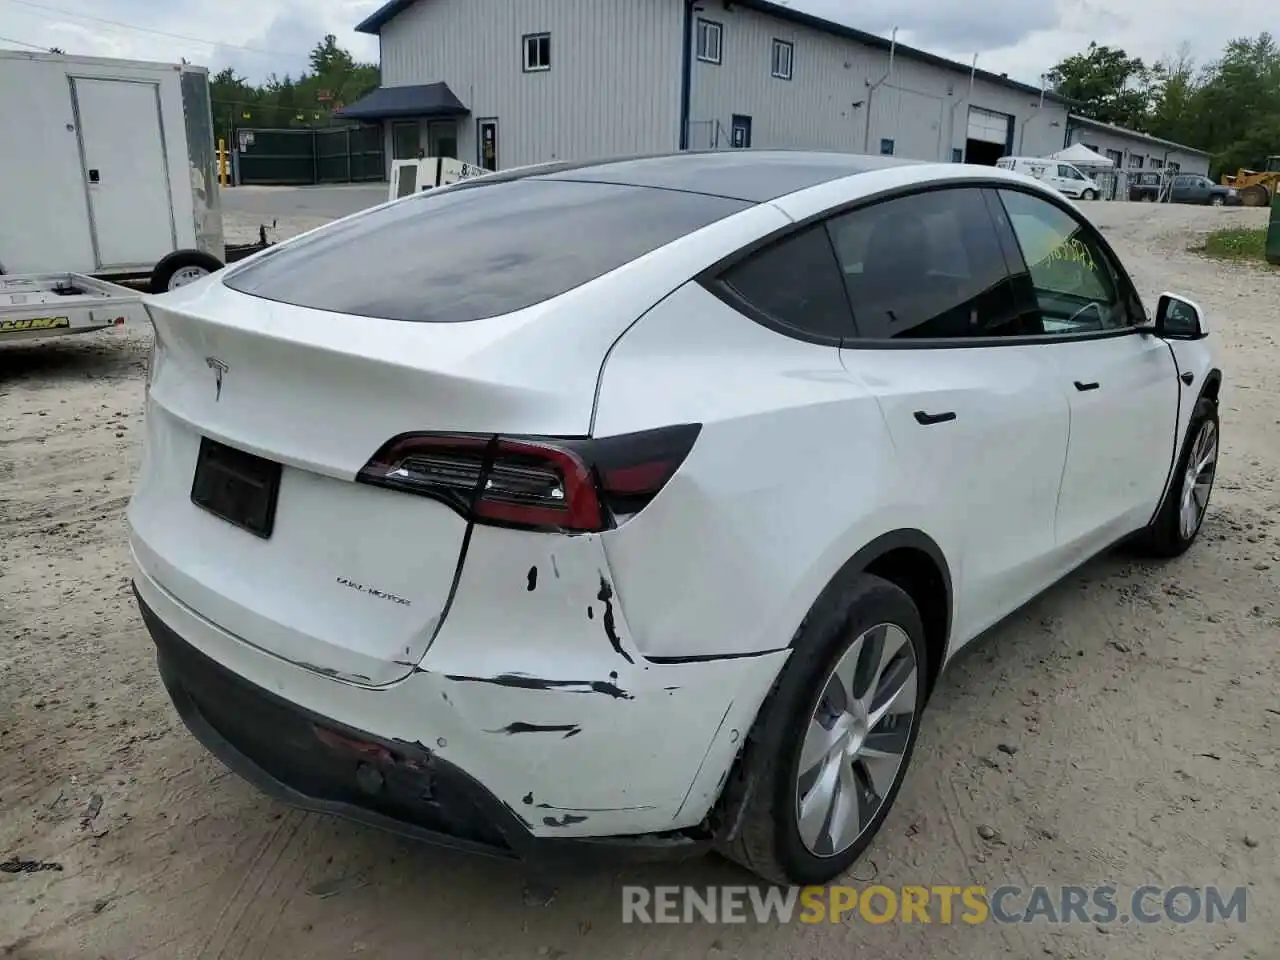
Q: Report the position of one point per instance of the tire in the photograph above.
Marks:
(762, 796)
(1255, 196)
(1089, 195)
(182, 267)
(1167, 536)
(1217, 200)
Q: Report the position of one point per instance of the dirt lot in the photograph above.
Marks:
(1123, 728)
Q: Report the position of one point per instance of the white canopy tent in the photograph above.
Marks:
(1081, 156)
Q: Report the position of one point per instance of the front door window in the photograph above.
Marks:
(488, 146)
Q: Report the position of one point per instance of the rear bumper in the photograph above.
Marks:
(313, 763)
(485, 765)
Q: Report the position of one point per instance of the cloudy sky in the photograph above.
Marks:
(1019, 37)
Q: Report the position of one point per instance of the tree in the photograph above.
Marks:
(334, 78)
(1106, 85)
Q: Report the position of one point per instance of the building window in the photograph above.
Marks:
(957, 155)
(710, 35)
(1156, 164)
(886, 147)
(783, 55)
(1136, 160)
(537, 52)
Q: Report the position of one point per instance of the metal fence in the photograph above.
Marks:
(305, 157)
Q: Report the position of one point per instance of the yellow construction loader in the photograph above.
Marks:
(1255, 187)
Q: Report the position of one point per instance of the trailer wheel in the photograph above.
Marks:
(182, 267)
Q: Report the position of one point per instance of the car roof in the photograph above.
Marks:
(753, 176)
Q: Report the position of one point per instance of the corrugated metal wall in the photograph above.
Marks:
(923, 108)
(1131, 147)
(613, 87)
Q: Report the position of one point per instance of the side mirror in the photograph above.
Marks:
(1177, 318)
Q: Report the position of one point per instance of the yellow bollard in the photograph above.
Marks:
(222, 161)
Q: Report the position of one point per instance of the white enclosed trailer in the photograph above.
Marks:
(107, 170)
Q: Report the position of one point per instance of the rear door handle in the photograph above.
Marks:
(1082, 387)
(926, 419)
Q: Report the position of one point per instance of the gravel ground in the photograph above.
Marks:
(1123, 728)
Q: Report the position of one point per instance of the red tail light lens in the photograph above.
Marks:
(573, 486)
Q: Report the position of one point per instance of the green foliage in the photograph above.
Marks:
(334, 79)
(1230, 107)
(1237, 243)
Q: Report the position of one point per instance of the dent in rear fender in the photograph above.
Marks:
(785, 483)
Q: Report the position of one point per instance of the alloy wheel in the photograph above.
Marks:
(1198, 481)
(855, 740)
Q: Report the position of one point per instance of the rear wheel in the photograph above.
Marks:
(1216, 200)
(831, 745)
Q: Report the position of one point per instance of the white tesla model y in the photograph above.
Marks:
(637, 505)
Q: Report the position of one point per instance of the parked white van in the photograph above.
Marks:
(1063, 177)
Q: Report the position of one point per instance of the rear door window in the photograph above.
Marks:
(926, 266)
(478, 251)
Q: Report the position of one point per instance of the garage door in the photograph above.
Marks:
(988, 126)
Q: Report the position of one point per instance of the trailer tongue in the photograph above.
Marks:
(56, 304)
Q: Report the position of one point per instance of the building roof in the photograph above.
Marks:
(385, 13)
(393, 8)
(1081, 121)
(417, 100)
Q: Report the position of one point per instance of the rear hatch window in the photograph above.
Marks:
(475, 252)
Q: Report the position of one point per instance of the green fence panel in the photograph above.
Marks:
(305, 157)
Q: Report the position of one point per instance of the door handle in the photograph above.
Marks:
(1188, 378)
(1082, 387)
(926, 419)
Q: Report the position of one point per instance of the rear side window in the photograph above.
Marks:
(476, 252)
(928, 265)
(795, 283)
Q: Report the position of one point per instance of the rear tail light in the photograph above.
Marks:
(533, 483)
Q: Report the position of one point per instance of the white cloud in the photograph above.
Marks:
(256, 37)
(1020, 37)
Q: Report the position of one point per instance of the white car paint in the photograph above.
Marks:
(655, 640)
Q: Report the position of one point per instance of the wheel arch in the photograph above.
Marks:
(1212, 385)
(911, 560)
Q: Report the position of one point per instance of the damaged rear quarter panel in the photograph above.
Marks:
(562, 712)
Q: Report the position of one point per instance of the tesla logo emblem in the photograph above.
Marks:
(218, 368)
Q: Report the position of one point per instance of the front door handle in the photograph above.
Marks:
(1082, 387)
(926, 419)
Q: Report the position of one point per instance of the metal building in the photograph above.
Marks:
(501, 83)
(1131, 151)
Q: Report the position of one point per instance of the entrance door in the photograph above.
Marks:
(442, 139)
(126, 171)
(740, 131)
(406, 142)
(488, 143)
